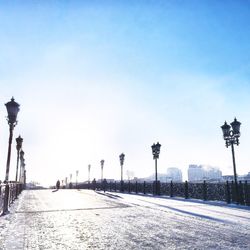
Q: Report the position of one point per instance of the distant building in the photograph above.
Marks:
(174, 174)
(195, 173)
(151, 178)
(34, 185)
(211, 173)
(241, 178)
(198, 173)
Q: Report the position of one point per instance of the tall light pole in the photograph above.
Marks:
(89, 166)
(24, 178)
(156, 152)
(12, 109)
(102, 164)
(21, 166)
(19, 141)
(70, 181)
(77, 172)
(122, 156)
(231, 136)
(23, 170)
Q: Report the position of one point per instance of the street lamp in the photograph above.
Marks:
(70, 181)
(231, 136)
(21, 177)
(19, 141)
(22, 168)
(156, 152)
(121, 156)
(76, 177)
(89, 166)
(12, 109)
(24, 178)
(21, 165)
(102, 164)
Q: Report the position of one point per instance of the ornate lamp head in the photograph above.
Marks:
(121, 156)
(12, 109)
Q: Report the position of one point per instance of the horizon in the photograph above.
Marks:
(95, 79)
(150, 177)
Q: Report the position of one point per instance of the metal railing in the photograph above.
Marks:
(204, 191)
(8, 193)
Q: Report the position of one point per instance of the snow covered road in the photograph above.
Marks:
(84, 219)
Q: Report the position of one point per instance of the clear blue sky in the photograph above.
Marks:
(98, 78)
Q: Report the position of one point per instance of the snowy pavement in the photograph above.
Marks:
(84, 219)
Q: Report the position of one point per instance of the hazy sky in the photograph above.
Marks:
(98, 78)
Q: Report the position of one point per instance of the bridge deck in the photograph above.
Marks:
(84, 219)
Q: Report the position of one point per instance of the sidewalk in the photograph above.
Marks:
(84, 219)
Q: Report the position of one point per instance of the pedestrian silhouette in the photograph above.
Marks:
(57, 184)
(94, 184)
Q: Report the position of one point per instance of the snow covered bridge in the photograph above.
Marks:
(85, 219)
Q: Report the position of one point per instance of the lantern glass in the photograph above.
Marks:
(236, 127)
(122, 158)
(19, 141)
(158, 147)
(156, 150)
(12, 109)
(153, 148)
(226, 130)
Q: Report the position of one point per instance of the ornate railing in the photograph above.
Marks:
(8, 193)
(203, 191)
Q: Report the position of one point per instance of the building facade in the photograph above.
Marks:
(199, 173)
(174, 174)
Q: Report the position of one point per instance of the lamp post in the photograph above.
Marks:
(77, 172)
(102, 164)
(70, 181)
(89, 166)
(231, 136)
(122, 156)
(19, 141)
(24, 178)
(66, 182)
(156, 152)
(12, 109)
(21, 165)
